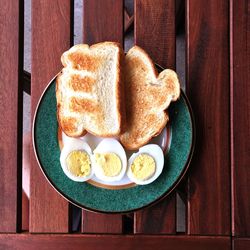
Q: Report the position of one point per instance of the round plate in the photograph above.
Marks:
(87, 196)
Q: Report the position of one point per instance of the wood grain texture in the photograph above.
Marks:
(240, 114)
(208, 90)
(241, 243)
(11, 112)
(155, 29)
(99, 242)
(155, 32)
(157, 219)
(102, 21)
(51, 30)
(101, 223)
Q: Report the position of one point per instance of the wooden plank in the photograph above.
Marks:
(158, 219)
(51, 26)
(11, 49)
(102, 21)
(101, 223)
(241, 243)
(155, 29)
(155, 32)
(208, 90)
(112, 242)
(240, 114)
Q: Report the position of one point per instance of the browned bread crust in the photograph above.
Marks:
(89, 90)
(148, 95)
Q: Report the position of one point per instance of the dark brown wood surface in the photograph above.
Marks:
(241, 243)
(51, 29)
(208, 90)
(240, 113)
(101, 223)
(155, 32)
(100, 242)
(157, 219)
(11, 112)
(103, 21)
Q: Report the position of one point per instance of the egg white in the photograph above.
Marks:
(154, 151)
(75, 144)
(110, 145)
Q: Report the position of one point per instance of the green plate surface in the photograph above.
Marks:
(93, 198)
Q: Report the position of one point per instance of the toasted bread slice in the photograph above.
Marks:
(88, 90)
(148, 95)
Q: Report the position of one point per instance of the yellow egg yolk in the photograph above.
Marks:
(78, 163)
(110, 163)
(143, 167)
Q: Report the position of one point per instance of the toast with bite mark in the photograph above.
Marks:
(148, 95)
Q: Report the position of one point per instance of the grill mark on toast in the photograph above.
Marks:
(68, 124)
(81, 84)
(85, 62)
(83, 105)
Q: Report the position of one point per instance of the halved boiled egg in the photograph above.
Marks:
(76, 160)
(146, 165)
(110, 160)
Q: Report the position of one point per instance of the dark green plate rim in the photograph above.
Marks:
(168, 191)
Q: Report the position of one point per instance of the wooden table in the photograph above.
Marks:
(216, 188)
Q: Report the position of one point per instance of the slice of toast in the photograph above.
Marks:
(88, 90)
(148, 95)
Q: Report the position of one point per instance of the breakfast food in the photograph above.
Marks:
(76, 160)
(89, 90)
(110, 160)
(90, 94)
(148, 95)
(146, 166)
